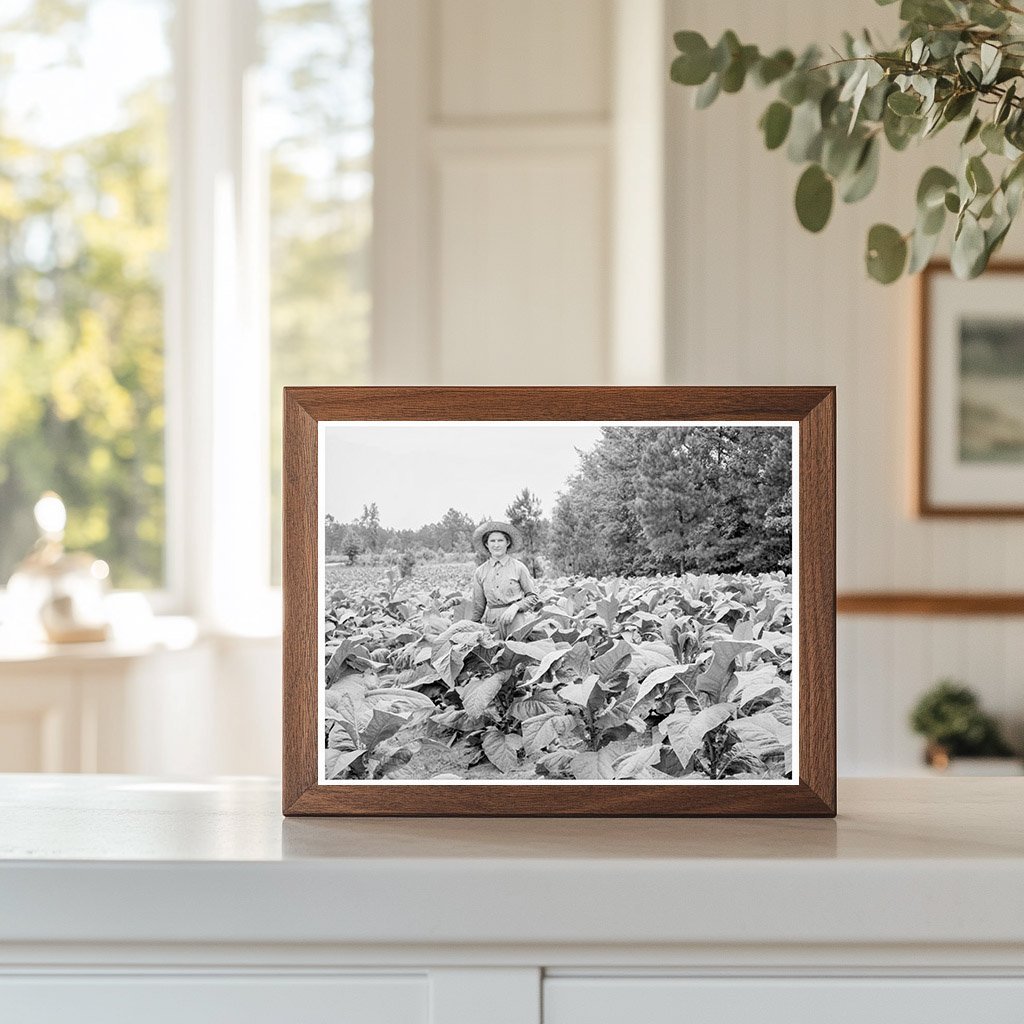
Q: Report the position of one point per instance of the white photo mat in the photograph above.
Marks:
(334, 430)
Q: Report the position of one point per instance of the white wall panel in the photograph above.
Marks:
(522, 286)
(528, 58)
(522, 204)
(493, 243)
(778, 1001)
(752, 298)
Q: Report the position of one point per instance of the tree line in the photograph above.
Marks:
(672, 499)
(644, 500)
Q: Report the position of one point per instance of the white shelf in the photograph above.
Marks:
(122, 859)
(125, 896)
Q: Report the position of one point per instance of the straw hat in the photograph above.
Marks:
(515, 538)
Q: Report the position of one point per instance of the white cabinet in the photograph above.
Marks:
(239, 999)
(125, 898)
(823, 1000)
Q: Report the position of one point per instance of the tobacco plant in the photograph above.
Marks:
(639, 678)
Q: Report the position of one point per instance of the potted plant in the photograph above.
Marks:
(956, 62)
(950, 717)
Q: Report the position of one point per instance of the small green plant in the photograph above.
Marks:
(956, 61)
(950, 717)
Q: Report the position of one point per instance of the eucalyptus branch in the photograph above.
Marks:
(834, 116)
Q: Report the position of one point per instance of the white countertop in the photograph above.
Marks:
(123, 859)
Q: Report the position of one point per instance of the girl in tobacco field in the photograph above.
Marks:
(503, 589)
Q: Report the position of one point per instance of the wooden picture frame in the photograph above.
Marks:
(809, 412)
(953, 476)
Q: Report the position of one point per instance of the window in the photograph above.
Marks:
(236, 212)
(83, 237)
(317, 117)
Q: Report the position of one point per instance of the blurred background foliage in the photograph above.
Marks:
(83, 233)
(84, 246)
(317, 86)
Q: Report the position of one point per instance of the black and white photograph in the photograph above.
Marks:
(551, 602)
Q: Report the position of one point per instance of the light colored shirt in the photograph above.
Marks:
(498, 582)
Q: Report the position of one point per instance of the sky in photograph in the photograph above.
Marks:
(416, 471)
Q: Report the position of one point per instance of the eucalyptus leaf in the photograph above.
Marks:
(969, 71)
(934, 121)
(931, 191)
(931, 222)
(979, 177)
(775, 124)
(958, 106)
(725, 50)
(1005, 104)
(993, 138)
(693, 65)
(828, 106)
(994, 235)
(922, 248)
(903, 103)
(771, 69)
(856, 81)
(707, 93)
(987, 15)
(886, 254)
(805, 133)
(874, 103)
(794, 89)
(968, 247)
(688, 42)
(966, 186)
(839, 152)
(688, 70)
(733, 76)
(991, 60)
(926, 88)
(865, 173)
(814, 194)
(900, 130)
(1013, 187)
(973, 130)
(944, 44)
(930, 12)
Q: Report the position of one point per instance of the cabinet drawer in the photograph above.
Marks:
(569, 1000)
(223, 999)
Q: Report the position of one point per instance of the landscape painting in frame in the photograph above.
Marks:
(545, 603)
(971, 415)
(992, 389)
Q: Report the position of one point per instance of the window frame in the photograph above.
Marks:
(217, 351)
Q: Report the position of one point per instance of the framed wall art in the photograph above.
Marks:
(559, 601)
(970, 380)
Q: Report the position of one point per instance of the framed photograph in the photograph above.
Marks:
(559, 601)
(970, 423)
